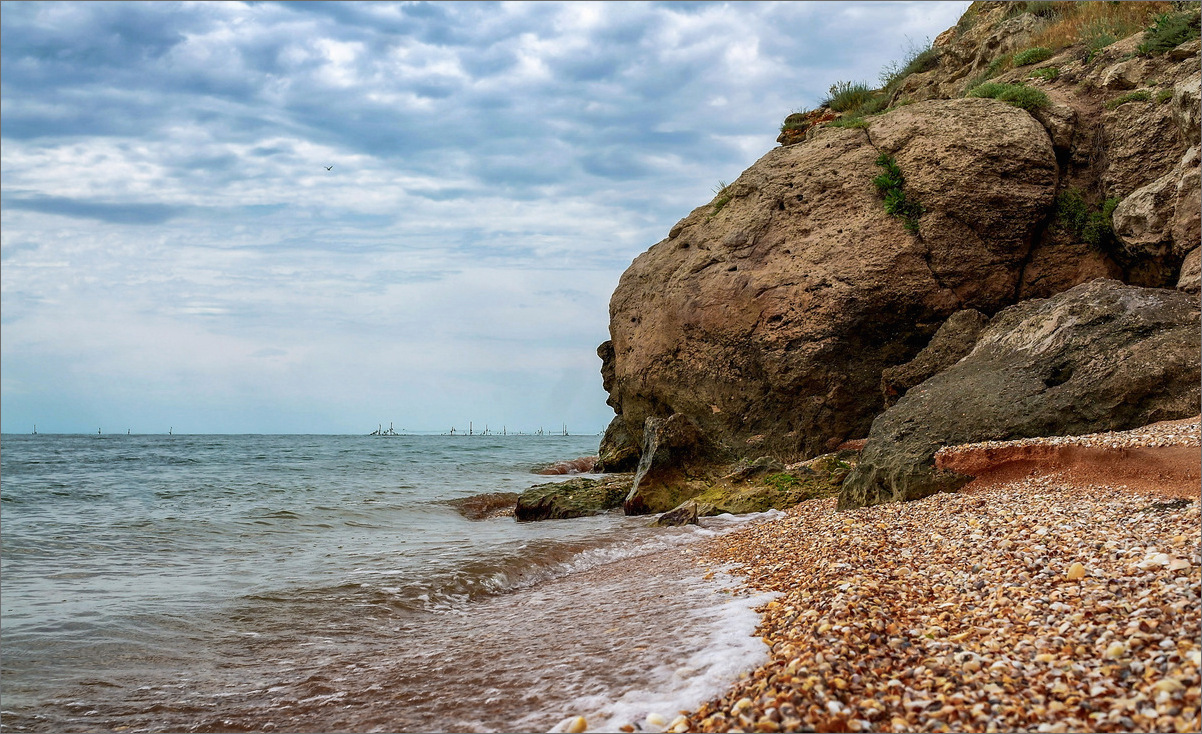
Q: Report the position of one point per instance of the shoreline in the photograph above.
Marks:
(1048, 601)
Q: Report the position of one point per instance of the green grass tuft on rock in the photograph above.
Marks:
(1047, 73)
(1018, 95)
(891, 186)
(847, 96)
(1139, 95)
(722, 197)
(1168, 32)
(1099, 228)
(918, 59)
(1032, 56)
(1091, 225)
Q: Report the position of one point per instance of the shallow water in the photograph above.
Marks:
(318, 583)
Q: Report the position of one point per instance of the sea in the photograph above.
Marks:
(329, 583)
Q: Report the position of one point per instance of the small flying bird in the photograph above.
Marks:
(329, 168)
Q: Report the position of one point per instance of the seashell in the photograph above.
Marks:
(1075, 571)
(1169, 685)
(1115, 651)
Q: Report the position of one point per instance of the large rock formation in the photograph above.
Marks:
(1102, 356)
(782, 317)
(772, 314)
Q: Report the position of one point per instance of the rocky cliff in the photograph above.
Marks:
(1024, 153)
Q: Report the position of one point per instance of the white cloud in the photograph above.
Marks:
(174, 248)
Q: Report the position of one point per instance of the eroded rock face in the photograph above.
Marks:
(953, 341)
(770, 317)
(1102, 356)
(671, 448)
(1191, 273)
(1161, 218)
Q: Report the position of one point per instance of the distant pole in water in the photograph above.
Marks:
(97, 431)
(169, 431)
(35, 429)
(503, 431)
(128, 431)
(469, 428)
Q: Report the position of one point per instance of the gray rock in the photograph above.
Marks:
(619, 451)
(1101, 356)
(953, 340)
(572, 498)
(684, 514)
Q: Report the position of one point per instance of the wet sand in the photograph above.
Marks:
(1049, 596)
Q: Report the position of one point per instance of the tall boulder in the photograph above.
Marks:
(1101, 356)
(768, 316)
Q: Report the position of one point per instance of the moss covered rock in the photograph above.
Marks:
(573, 498)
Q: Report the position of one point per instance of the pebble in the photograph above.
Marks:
(954, 613)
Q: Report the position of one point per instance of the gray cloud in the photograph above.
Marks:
(115, 213)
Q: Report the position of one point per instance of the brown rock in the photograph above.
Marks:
(684, 514)
(671, 448)
(1141, 144)
(1191, 273)
(775, 311)
(1186, 227)
(1059, 262)
(1185, 108)
(1162, 217)
(619, 450)
(1124, 75)
(1060, 120)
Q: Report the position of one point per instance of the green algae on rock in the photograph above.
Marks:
(572, 498)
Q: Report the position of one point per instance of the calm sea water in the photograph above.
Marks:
(322, 583)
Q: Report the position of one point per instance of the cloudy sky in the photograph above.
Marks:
(175, 253)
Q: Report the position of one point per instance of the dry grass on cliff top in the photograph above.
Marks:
(1073, 22)
(1035, 605)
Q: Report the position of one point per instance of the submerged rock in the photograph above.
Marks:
(484, 506)
(685, 514)
(1102, 356)
(573, 498)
